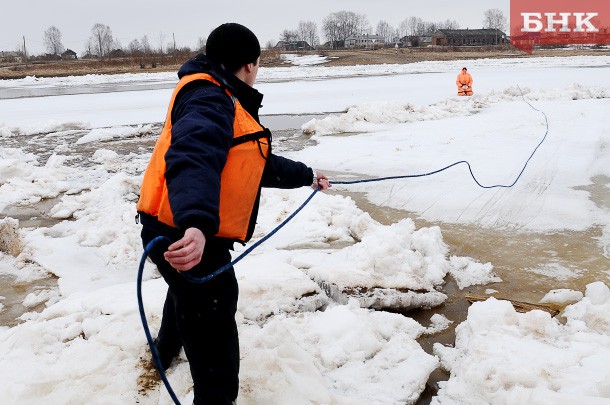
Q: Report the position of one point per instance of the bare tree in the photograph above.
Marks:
(416, 25)
(363, 26)
(88, 48)
(495, 19)
(412, 26)
(421, 27)
(116, 44)
(330, 27)
(101, 41)
(161, 39)
(289, 36)
(135, 47)
(448, 25)
(145, 45)
(343, 24)
(429, 28)
(52, 40)
(201, 41)
(403, 28)
(385, 30)
(171, 47)
(308, 32)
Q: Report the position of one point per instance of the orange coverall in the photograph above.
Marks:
(464, 79)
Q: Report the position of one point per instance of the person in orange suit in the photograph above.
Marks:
(464, 83)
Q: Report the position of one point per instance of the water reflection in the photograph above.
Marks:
(14, 293)
(92, 88)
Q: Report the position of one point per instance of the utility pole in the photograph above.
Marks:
(161, 38)
(174, 35)
(25, 52)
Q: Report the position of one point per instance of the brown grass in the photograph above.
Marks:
(270, 58)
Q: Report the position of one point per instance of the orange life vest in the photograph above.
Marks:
(240, 178)
(464, 78)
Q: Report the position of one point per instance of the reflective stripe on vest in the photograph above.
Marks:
(240, 178)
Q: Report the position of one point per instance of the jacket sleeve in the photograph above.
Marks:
(281, 172)
(202, 134)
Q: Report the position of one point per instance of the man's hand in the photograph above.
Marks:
(321, 181)
(186, 253)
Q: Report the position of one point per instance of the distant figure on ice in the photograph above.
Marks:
(464, 83)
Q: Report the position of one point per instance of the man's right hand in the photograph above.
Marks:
(186, 253)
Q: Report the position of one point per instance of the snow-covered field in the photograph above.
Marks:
(311, 319)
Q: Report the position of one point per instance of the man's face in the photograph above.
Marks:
(251, 76)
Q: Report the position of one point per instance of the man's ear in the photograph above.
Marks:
(249, 67)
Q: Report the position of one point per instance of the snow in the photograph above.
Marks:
(561, 296)
(501, 356)
(312, 310)
(304, 60)
(104, 134)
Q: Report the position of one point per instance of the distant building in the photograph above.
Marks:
(49, 57)
(117, 53)
(333, 45)
(7, 57)
(467, 37)
(415, 40)
(293, 46)
(365, 41)
(425, 40)
(69, 54)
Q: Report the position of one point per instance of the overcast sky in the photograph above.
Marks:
(188, 19)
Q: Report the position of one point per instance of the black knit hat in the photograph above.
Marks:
(232, 45)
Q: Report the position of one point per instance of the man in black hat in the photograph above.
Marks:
(201, 189)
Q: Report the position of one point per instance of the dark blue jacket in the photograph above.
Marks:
(202, 134)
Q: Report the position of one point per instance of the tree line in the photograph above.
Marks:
(101, 43)
(335, 28)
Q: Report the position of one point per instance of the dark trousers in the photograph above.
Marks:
(201, 318)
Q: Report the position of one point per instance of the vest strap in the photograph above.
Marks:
(250, 137)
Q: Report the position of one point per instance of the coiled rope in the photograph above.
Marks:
(201, 280)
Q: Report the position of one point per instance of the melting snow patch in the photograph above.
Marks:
(561, 296)
(556, 271)
(502, 356)
(106, 134)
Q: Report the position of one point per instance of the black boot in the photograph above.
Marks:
(166, 355)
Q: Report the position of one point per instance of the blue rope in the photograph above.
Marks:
(151, 344)
(201, 280)
(465, 162)
(198, 280)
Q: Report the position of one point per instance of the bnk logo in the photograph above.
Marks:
(559, 22)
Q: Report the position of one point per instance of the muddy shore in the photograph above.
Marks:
(273, 59)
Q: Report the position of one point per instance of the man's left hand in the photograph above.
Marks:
(322, 181)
